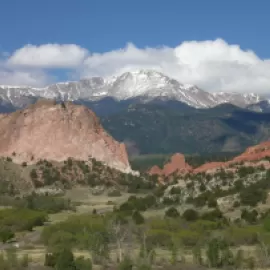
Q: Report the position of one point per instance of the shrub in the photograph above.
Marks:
(33, 174)
(252, 196)
(212, 202)
(189, 238)
(49, 204)
(5, 234)
(250, 217)
(266, 224)
(63, 259)
(190, 215)
(126, 264)
(213, 215)
(172, 212)
(175, 191)
(114, 193)
(242, 236)
(83, 264)
(96, 227)
(219, 254)
(21, 219)
(158, 237)
(204, 225)
(138, 218)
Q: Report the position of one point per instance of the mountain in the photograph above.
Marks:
(51, 131)
(142, 86)
(262, 106)
(155, 129)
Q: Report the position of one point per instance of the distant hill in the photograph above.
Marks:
(156, 129)
(262, 106)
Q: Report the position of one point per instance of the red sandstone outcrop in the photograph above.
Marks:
(51, 131)
(254, 153)
(208, 167)
(177, 164)
(155, 170)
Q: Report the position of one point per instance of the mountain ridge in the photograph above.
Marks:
(161, 130)
(145, 85)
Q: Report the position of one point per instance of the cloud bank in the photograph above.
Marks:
(213, 65)
(49, 56)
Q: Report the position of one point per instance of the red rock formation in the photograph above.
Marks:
(207, 167)
(155, 170)
(177, 164)
(51, 131)
(254, 153)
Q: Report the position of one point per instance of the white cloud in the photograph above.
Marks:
(212, 65)
(49, 56)
(24, 78)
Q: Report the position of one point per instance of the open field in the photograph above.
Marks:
(85, 202)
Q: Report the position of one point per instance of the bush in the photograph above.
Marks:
(83, 264)
(172, 212)
(158, 237)
(252, 196)
(21, 219)
(74, 230)
(242, 236)
(204, 225)
(212, 202)
(219, 254)
(126, 264)
(138, 218)
(190, 215)
(175, 191)
(250, 217)
(33, 174)
(64, 260)
(49, 204)
(213, 215)
(114, 193)
(189, 238)
(5, 234)
(266, 224)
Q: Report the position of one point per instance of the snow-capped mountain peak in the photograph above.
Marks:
(146, 84)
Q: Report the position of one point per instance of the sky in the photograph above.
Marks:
(217, 45)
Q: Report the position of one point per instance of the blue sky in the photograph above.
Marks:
(106, 26)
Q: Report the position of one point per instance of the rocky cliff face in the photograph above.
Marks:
(51, 131)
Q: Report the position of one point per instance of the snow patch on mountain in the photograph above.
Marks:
(145, 84)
